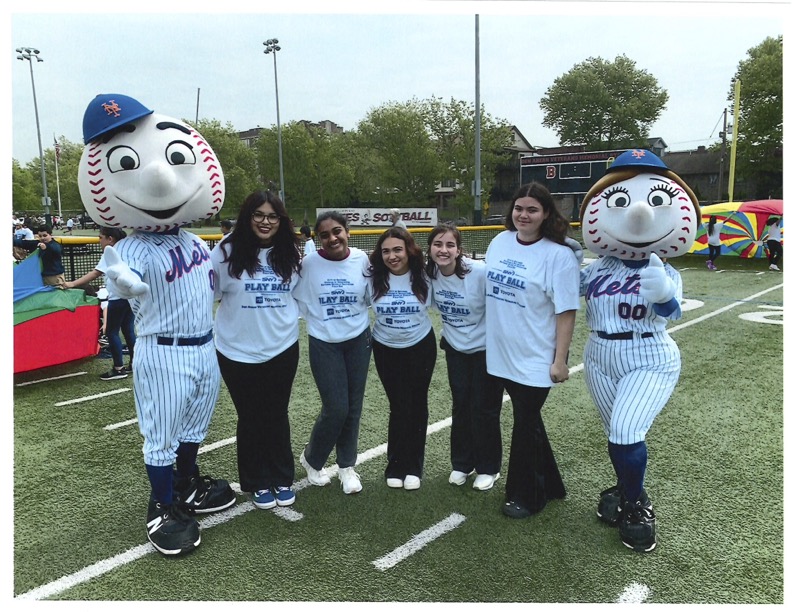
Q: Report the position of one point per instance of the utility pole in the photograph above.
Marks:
(477, 182)
(722, 157)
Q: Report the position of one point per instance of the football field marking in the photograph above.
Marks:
(41, 380)
(634, 593)
(88, 398)
(104, 566)
(419, 541)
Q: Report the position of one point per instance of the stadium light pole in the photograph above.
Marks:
(271, 46)
(30, 54)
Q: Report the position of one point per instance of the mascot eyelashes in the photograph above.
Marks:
(638, 213)
(154, 174)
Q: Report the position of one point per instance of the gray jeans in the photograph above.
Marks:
(340, 370)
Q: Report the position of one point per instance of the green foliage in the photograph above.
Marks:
(603, 104)
(452, 126)
(398, 138)
(760, 126)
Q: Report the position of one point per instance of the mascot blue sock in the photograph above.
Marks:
(186, 457)
(161, 479)
(629, 461)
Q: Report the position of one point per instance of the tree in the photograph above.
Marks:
(452, 127)
(603, 104)
(760, 125)
(407, 165)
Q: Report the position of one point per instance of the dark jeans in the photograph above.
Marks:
(714, 251)
(261, 392)
(340, 370)
(405, 374)
(120, 319)
(776, 251)
(533, 477)
(475, 413)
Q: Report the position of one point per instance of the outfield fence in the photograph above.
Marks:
(82, 253)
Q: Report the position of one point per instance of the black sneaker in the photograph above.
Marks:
(103, 341)
(608, 509)
(170, 530)
(114, 374)
(203, 494)
(637, 528)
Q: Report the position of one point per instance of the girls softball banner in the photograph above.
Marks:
(380, 217)
(742, 232)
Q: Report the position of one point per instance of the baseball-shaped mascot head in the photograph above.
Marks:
(143, 170)
(638, 208)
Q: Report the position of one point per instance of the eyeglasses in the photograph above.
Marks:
(258, 217)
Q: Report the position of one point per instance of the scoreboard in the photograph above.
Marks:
(567, 173)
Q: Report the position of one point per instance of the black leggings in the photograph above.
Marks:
(714, 251)
(776, 251)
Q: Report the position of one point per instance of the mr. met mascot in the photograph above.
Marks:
(636, 216)
(154, 174)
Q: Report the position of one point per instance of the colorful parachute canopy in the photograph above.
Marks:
(744, 227)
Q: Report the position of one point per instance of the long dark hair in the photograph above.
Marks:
(555, 226)
(711, 226)
(379, 272)
(285, 254)
(116, 233)
(431, 267)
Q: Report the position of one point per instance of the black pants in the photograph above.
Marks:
(477, 398)
(261, 392)
(533, 477)
(406, 374)
(776, 251)
(714, 251)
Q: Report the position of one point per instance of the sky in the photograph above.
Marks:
(339, 63)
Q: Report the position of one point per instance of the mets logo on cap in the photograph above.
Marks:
(106, 112)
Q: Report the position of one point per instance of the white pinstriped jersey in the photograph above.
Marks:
(613, 303)
(179, 273)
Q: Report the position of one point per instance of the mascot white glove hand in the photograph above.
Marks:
(576, 248)
(656, 286)
(126, 281)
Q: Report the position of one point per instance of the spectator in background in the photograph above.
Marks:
(395, 217)
(305, 235)
(70, 226)
(226, 225)
(22, 232)
(51, 255)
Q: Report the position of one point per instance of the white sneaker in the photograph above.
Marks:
(774, 267)
(315, 477)
(394, 483)
(458, 478)
(350, 480)
(484, 482)
(411, 483)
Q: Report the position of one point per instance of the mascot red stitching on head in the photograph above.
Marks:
(637, 213)
(154, 174)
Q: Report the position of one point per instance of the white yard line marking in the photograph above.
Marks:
(634, 593)
(41, 380)
(88, 398)
(118, 425)
(417, 542)
(102, 567)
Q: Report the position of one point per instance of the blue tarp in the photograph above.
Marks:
(27, 277)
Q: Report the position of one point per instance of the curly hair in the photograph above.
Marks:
(284, 257)
(379, 272)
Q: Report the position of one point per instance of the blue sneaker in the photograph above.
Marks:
(264, 499)
(284, 496)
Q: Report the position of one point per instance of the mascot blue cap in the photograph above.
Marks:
(109, 111)
(637, 158)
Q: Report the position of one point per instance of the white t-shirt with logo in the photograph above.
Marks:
(527, 286)
(333, 296)
(257, 318)
(400, 318)
(461, 303)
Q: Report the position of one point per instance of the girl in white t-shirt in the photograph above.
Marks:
(714, 228)
(334, 301)
(458, 293)
(774, 246)
(257, 267)
(532, 297)
(404, 350)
